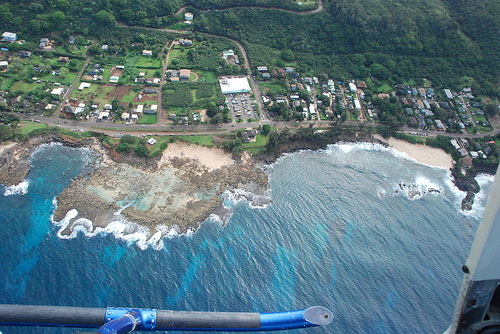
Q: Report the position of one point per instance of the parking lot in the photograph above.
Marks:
(240, 106)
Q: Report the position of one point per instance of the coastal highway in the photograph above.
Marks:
(114, 129)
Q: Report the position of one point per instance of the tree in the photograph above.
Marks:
(123, 148)
(212, 109)
(288, 55)
(266, 129)
(57, 18)
(105, 18)
(128, 139)
(141, 151)
(491, 109)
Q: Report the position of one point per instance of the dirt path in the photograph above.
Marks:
(196, 76)
(71, 88)
(306, 12)
(162, 114)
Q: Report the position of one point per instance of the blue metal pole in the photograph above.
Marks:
(121, 320)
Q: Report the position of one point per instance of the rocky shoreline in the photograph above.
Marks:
(14, 161)
(157, 194)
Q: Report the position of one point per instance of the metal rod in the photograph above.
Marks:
(114, 320)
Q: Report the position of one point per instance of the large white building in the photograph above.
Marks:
(234, 85)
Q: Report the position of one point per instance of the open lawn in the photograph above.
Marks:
(175, 53)
(138, 60)
(82, 94)
(274, 87)
(204, 140)
(97, 93)
(24, 87)
(27, 127)
(260, 142)
(384, 88)
(6, 83)
(148, 119)
(207, 76)
(67, 79)
(179, 26)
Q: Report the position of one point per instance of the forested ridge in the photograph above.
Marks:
(451, 42)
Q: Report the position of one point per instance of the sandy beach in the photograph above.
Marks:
(424, 154)
(211, 158)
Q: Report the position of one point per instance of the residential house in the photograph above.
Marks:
(114, 79)
(361, 84)
(147, 53)
(3, 64)
(249, 135)
(24, 54)
(63, 59)
(262, 68)
(281, 72)
(44, 43)
(184, 74)
(448, 94)
(105, 47)
(357, 105)
(149, 91)
(352, 87)
(289, 70)
(445, 105)
(185, 42)
(153, 109)
(430, 92)
(266, 75)
(9, 37)
(439, 125)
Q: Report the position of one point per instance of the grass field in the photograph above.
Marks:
(207, 76)
(96, 93)
(143, 62)
(260, 142)
(27, 127)
(384, 88)
(148, 119)
(24, 87)
(179, 26)
(81, 94)
(276, 87)
(204, 140)
(6, 83)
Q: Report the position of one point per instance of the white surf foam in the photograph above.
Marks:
(348, 147)
(20, 189)
(121, 229)
(239, 195)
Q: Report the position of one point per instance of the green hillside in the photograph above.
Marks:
(446, 41)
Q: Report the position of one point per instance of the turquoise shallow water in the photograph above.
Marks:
(337, 235)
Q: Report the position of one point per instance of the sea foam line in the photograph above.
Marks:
(347, 147)
(20, 189)
(121, 229)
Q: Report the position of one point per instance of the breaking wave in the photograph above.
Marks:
(20, 189)
(121, 229)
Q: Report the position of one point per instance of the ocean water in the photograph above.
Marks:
(341, 232)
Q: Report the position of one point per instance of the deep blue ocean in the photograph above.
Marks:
(337, 235)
